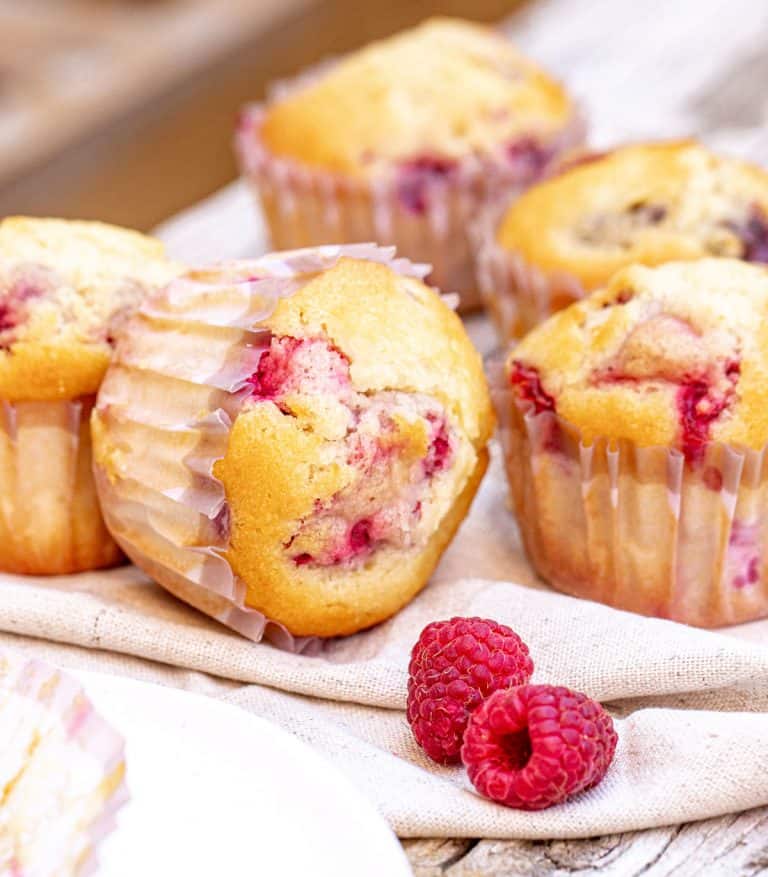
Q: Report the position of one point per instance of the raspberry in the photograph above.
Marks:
(299, 365)
(528, 157)
(455, 665)
(417, 178)
(754, 236)
(534, 746)
(700, 406)
(526, 380)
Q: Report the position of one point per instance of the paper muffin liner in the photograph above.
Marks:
(50, 520)
(517, 294)
(64, 704)
(638, 528)
(167, 510)
(306, 206)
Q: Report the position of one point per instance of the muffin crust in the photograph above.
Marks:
(433, 94)
(647, 204)
(674, 355)
(65, 287)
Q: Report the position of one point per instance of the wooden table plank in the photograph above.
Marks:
(732, 846)
(71, 67)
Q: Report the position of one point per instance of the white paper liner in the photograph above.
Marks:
(516, 294)
(167, 510)
(305, 206)
(66, 704)
(50, 520)
(635, 527)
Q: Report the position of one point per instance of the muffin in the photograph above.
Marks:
(65, 290)
(402, 140)
(641, 204)
(273, 445)
(62, 772)
(634, 425)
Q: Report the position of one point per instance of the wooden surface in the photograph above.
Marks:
(733, 846)
(142, 123)
(643, 70)
(69, 67)
(95, 96)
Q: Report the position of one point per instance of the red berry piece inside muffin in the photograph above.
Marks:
(23, 286)
(752, 231)
(394, 442)
(669, 356)
(417, 178)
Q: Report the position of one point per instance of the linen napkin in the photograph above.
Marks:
(691, 706)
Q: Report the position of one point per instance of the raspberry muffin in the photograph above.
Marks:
(65, 290)
(62, 772)
(401, 141)
(635, 424)
(273, 446)
(640, 204)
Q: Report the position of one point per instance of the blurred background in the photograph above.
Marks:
(123, 110)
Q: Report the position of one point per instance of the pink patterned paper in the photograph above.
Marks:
(65, 703)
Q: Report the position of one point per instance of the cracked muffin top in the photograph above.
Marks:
(647, 204)
(65, 289)
(430, 95)
(672, 356)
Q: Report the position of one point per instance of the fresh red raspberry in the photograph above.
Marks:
(534, 746)
(454, 666)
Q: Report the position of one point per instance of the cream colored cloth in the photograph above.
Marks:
(692, 706)
(694, 737)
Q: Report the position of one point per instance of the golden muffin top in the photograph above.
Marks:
(675, 356)
(446, 87)
(647, 204)
(65, 288)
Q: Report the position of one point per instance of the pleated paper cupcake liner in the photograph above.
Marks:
(167, 509)
(638, 528)
(43, 703)
(517, 295)
(50, 521)
(306, 206)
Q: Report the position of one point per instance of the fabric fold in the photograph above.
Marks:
(691, 706)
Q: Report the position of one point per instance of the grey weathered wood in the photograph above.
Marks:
(731, 846)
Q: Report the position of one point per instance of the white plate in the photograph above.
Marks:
(218, 791)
